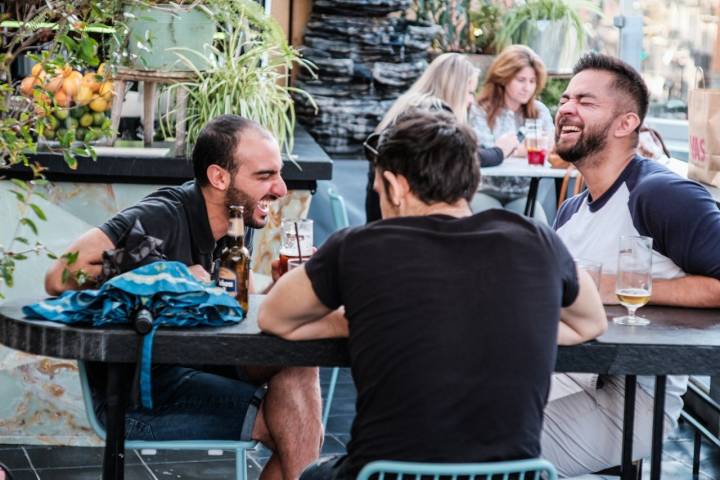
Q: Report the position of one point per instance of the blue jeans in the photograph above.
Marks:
(192, 404)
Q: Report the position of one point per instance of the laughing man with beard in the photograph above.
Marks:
(597, 130)
(235, 161)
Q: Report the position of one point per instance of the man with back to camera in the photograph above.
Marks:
(597, 130)
(236, 162)
(452, 317)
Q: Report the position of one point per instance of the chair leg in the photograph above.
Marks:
(330, 394)
(240, 464)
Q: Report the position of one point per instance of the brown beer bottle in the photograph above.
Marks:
(234, 273)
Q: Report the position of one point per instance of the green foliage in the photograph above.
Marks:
(452, 18)
(247, 74)
(484, 23)
(552, 92)
(516, 22)
(66, 29)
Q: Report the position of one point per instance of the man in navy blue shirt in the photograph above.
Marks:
(598, 125)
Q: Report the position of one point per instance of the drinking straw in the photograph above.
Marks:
(297, 239)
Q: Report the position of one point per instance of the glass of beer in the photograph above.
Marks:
(292, 230)
(633, 283)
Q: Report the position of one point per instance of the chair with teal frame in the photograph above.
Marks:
(340, 220)
(240, 447)
(531, 469)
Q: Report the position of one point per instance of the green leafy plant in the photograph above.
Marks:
(550, 96)
(515, 25)
(67, 30)
(247, 74)
(451, 16)
(484, 23)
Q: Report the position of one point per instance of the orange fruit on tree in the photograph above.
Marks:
(99, 104)
(37, 70)
(71, 84)
(84, 95)
(62, 99)
(90, 80)
(26, 86)
(106, 90)
(54, 84)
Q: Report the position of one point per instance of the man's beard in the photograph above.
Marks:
(590, 141)
(235, 196)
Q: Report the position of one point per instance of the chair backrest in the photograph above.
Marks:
(531, 469)
(339, 212)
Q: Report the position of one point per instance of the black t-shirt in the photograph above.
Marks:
(177, 216)
(453, 331)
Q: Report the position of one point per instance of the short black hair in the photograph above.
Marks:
(627, 79)
(217, 144)
(434, 152)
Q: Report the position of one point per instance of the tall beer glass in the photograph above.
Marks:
(633, 283)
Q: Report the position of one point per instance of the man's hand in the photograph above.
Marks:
(200, 273)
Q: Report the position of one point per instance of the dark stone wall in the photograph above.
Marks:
(367, 55)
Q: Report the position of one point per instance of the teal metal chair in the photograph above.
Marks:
(240, 447)
(532, 469)
(340, 220)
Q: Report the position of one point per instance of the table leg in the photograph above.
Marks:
(532, 196)
(628, 427)
(114, 459)
(657, 428)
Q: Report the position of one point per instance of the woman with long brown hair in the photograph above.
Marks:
(449, 83)
(507, 99)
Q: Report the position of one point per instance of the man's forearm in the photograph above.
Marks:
(689, 291)
(332, 325)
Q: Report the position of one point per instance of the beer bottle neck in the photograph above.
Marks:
(237, 227)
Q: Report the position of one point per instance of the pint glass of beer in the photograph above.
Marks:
(290, 236)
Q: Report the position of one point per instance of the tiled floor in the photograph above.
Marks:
(77, 463)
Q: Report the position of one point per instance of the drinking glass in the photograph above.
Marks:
(289, 247)
(295, 263)
(593, 268)
(633, 283)
(535, 142)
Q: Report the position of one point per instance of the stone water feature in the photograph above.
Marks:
(366, 55)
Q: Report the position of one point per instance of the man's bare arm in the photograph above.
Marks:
(89, 247)
(291, 310)
(689, 291)
(585, 318)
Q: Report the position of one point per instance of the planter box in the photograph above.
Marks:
(155, 31)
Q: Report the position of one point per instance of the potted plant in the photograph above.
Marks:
(552, 28)
(246, 74)
(153, 29)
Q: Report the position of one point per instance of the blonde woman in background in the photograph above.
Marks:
(507, 99)
(450, 82)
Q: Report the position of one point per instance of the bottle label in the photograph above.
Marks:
(227, 280)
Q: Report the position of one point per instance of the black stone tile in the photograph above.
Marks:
(343, 438)
(184, 456)
(132, 472)
(58, 456)
(342, 406)
(332, 445)
(345, 391)
(339, 423)
(14, 458)
(24, 475)
(220, 470)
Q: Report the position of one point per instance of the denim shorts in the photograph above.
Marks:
(194, 404)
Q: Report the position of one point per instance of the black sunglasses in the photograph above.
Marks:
(370, 147)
